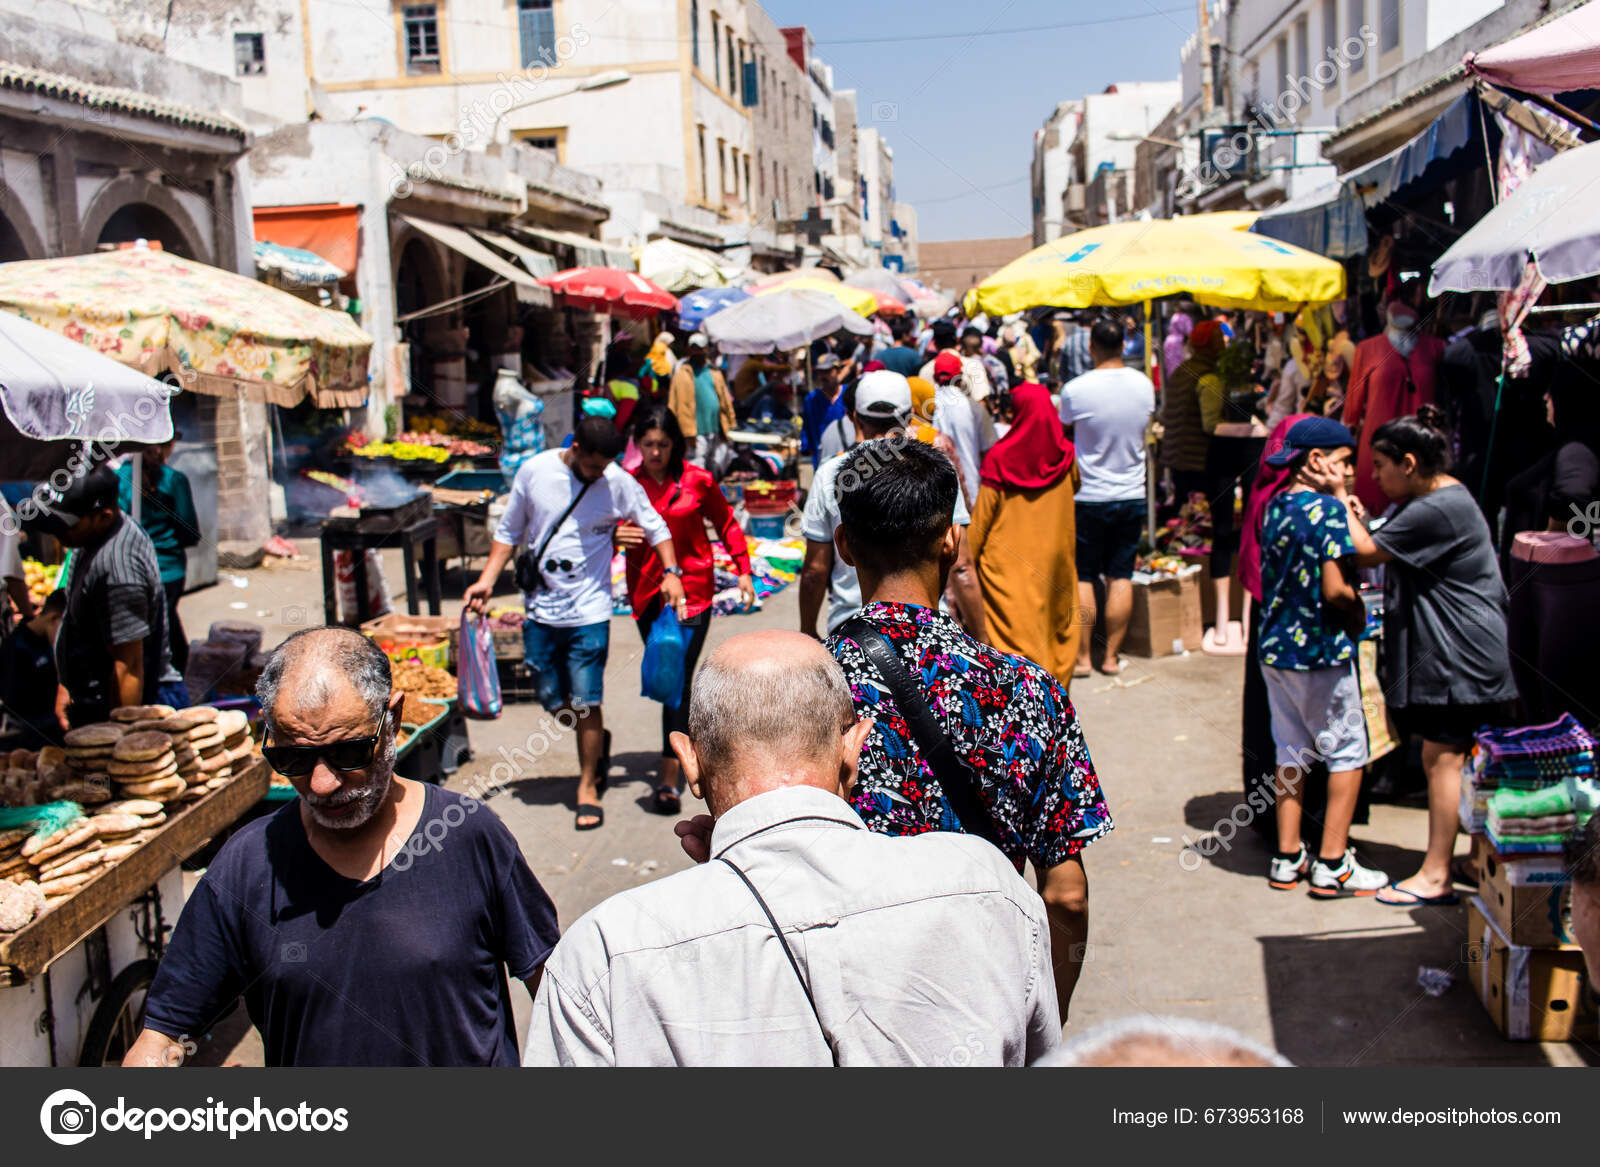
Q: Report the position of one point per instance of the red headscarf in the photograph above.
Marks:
(1269, 481)
(1034, 453)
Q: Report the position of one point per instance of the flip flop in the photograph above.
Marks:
(1080, 673)
(589, 810)
(666, 801)
(1413, 900)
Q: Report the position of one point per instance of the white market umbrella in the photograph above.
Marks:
(1548, 216)
(680, 268)
(782, 320)
(882, 281)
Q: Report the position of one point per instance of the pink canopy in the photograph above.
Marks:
(1560, 55)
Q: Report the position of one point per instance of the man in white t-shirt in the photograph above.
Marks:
(1108, 411)
(567, 633)
(882, 408)
(958, 417)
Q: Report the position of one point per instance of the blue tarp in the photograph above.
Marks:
(1335, 225)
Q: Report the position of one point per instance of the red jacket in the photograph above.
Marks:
(686, 505)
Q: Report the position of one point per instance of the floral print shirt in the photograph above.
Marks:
(1301, 530)
(1006, 716)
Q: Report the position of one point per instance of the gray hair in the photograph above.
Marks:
(1162, 1041)
(780, 708)
(363, 665)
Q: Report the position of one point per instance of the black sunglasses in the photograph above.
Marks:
(350, 754)
(558, 564)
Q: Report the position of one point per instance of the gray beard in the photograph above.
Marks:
(371, 796)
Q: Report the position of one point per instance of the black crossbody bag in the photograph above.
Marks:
(529, 576)
(955, 777)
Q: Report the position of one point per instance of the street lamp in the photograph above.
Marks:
(606, 80)
(1145, 138)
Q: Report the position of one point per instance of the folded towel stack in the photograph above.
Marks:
(1526, 760)
(1538, 821)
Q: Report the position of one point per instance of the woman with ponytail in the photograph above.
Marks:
(1446, 667)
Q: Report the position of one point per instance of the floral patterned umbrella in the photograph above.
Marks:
(214, 330)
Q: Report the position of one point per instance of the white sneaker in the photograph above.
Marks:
(1286, 874)
(1347, 878)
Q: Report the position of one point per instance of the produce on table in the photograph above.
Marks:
(469, 427)
(507, 617)
(423, 680)
(454, 446)
(418, 710)
(404, 451)
(41, 579)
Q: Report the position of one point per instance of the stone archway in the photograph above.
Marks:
(18, 239)
(128, 208)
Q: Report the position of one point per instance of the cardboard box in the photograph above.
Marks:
(1477, 852)
(1531, 994)
(1529, 898)
(1166, 617)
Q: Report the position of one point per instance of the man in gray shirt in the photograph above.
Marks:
(805, 939)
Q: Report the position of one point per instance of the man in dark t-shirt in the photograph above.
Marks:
(112, 649)
(374, 920)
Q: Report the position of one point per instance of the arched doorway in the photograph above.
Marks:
(11, 246)
(420, 282)
(142, 221)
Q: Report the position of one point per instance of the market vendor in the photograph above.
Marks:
(167, 516)
(371, 922)
(112, 649)
(28, 677)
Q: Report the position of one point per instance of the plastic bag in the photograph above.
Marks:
(479, 682)
(662, 670)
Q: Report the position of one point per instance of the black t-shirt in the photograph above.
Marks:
(405, 969)
(115, 597)
(28, 677)
(1444, 605)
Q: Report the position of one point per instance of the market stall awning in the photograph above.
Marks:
(1549, 217)
(1554, 57)
(856, 299)
(1449, 148)
(680, 268)
(295, 265)
(1330, 221)
(536, 262)
(331, 230)
(217, 331)
(587, 252)
(529, 290)
(56, 393)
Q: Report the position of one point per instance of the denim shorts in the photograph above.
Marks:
(1108, 537)
(569, 664)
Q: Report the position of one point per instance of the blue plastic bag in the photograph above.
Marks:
(479, 681)
(662, 670)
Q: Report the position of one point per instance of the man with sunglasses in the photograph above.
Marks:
(370, 922)
(564, 508)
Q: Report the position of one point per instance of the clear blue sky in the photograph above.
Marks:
(964, 109)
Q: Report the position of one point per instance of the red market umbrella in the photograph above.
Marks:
(609, 290)
(888, 305)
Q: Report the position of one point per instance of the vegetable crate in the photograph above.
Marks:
(430, 639)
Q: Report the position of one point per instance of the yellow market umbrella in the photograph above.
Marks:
(1214, 263)
(217, 331)
(856, 299)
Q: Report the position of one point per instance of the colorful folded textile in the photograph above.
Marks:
(1560, 738)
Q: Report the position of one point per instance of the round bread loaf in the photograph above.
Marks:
(92, 736)
(79, 790)
(19, 904)
(135, 806)
(140, 747)
(118, 769)
(233, 721)
(191, 718)
(141, 712)
(158, 790)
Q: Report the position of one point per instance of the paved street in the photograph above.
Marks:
(1326, 983)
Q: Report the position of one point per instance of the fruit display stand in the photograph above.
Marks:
(72, 982)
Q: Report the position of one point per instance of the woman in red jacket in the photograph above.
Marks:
(687, 498)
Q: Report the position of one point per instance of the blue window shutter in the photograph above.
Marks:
(536, 28)
(752, 95)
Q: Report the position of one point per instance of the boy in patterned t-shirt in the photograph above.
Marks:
(1308, 611)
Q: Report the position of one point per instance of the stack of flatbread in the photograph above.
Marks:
(62, 862)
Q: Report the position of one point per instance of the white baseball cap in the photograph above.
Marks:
(883, 395)
(699, 340)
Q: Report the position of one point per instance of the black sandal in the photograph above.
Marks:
(587, 809)
(666, 801)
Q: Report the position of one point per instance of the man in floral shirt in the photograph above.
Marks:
(1006, 717)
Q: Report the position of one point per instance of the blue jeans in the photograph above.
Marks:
(569, 664)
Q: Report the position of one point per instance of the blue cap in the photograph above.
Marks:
(1312, 433)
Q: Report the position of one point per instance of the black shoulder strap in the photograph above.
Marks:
(955, 776)
(551, 533)
(777, 931)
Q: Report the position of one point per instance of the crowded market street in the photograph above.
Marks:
(1201, 937)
